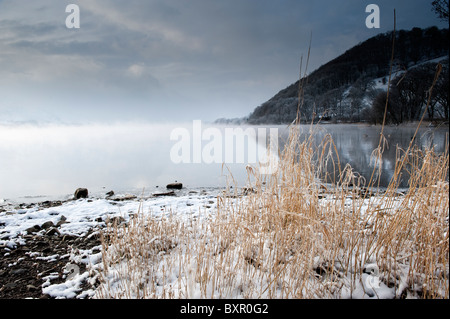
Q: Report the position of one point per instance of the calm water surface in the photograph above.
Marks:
(42, 162)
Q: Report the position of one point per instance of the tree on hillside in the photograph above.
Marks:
(440, 92)
(440, 7)
(338, 87)
(379, 106)
(410, 92)
(356, 97)
(336, 98)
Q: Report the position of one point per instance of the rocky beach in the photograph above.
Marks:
(51, 249)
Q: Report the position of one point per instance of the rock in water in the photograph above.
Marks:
(174, 186)
(81, 193)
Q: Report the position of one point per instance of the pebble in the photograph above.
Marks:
(32, 288)
(18, 271)
(10, 285)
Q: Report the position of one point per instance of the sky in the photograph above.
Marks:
(172, 60)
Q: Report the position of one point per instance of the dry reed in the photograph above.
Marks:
(294, 237)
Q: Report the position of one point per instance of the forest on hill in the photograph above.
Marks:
(352, 87)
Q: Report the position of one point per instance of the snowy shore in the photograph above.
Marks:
(63, 237)
(54, 249)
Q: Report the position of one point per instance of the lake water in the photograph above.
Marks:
(51, 161)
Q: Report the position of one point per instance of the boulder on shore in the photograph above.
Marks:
(81, 193)
(174, 186)
(110, 193)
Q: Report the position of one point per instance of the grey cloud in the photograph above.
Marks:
(83, 48)
(22, 29)
(169, 58)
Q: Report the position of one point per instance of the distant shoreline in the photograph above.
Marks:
(405, 124)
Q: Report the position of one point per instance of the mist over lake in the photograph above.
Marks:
(51, 161)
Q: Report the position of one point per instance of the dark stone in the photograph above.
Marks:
(171, 193)
(81, 193)
(10, 285)
(62, 220)
(18, 271)
(46, 250)
(33, 229)
(47, 225)
(52, 231)
(124, 198)
(116, 220)
(48, 204)
(41, 243)
(110, 193)
(174, 186)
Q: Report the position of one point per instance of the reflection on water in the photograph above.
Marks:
(55, 160)
(355, 145)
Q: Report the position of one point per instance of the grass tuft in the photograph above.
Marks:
(296, 237)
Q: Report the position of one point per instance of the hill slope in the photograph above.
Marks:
(344, 88)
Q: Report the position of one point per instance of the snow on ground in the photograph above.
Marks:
(381, 84)
(80, 217)
(83, 216)
(179, 283)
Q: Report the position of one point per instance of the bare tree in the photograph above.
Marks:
(410, 92)
(441, 92)
(378, 109)
(440, 7)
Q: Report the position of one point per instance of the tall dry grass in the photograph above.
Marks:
(294, 237)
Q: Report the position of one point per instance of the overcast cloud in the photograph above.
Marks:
(167, 60)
